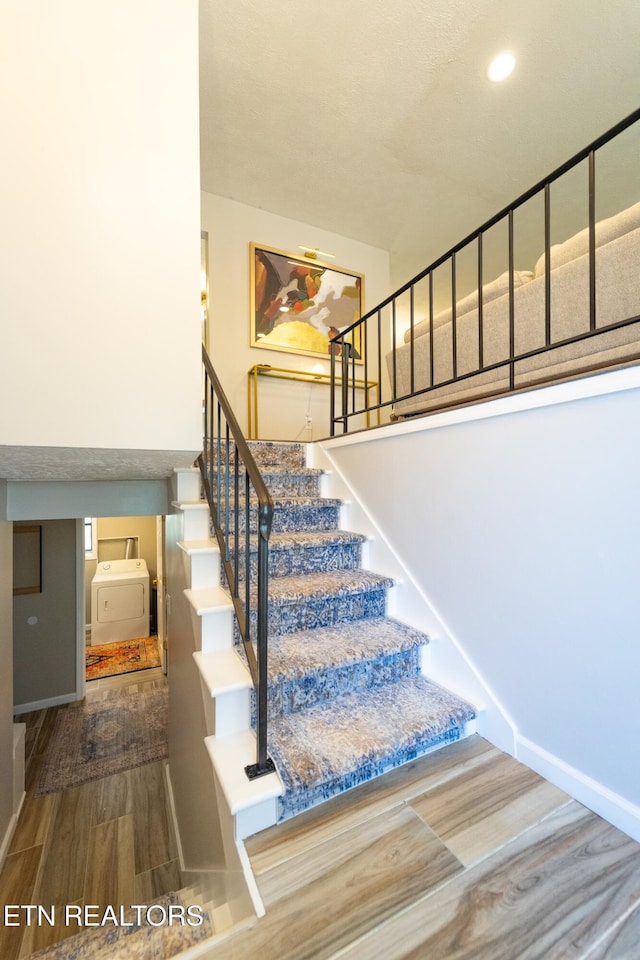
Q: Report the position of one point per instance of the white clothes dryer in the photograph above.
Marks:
(119, 601)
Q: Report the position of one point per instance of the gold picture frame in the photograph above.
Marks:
(299, 303)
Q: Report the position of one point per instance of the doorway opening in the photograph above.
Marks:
(124, 596)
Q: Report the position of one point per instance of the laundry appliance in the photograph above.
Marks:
(119, 601)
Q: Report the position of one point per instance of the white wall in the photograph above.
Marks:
(6, 683)
(100, 224)
(231, 228)
(522, 530)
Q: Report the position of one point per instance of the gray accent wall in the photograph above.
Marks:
(44, 624)
(58, 500)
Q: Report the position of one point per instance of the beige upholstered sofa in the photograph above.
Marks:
(617, 299)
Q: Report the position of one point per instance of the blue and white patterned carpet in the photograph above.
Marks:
(347, 701)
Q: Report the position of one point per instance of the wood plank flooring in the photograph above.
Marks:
(462, 855)
(107, 843)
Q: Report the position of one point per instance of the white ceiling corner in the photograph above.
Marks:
(377, 121)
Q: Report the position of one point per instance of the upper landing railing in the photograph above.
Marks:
(416, 302)
(242, 513)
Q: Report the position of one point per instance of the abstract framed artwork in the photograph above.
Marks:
(299, 303)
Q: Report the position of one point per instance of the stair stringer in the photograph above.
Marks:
(444, 660)
(243, 806)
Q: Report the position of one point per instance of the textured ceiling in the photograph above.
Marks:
(90, 464)
(375, 120)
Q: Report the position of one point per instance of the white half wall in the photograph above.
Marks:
(100, 240)
(519, 523)
(231, 227)
(7, 821)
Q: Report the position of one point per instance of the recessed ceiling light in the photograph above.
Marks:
(501, 66)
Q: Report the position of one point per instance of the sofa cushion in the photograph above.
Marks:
(490, 291)
(578, 245)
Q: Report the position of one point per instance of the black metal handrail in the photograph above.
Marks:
(369, 327)
(233, 486)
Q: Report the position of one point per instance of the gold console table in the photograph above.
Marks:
(283, 373)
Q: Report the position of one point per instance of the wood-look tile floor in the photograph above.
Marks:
(107, 842)
(462, 854)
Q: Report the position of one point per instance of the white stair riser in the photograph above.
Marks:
(226, 712)
(204, 569)
(196, 522)
(217, 630)
(213, 630)
(256, 818)
(186, 484)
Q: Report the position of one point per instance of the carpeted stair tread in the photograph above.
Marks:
(308, 667)
(315, 600)
(277, 452)
(269, 453)
(286, 502)
(326, 585)
(303, 552)
(302, 539)
(281, 481)
(297, 553)
(310, 538)
(291, 513)
(275, 470)
(297, 655)
(326, 749)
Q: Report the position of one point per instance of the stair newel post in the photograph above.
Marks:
(264, 763)
(263, 593)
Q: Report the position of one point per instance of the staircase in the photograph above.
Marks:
(347, 698)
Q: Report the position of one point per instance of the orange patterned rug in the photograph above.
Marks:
(111, 659)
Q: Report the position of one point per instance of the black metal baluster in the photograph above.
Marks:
(592, 240)
(227, 483)
(480, 305)
(332, 398)
(512, 325)
(247, 556)
(265, 764)
(411, 340)
(219, 466)
(431, 363)
(380, 359)
(247, 542)
(454, 318)
(364, 343)
(547, 264)
(236, 521)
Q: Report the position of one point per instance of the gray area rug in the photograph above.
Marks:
(97, 739)
(143, 939)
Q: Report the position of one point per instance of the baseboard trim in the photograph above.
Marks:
(8, 835)
(611, 806)
(43, 704)
(174, 818)
(250, 880)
